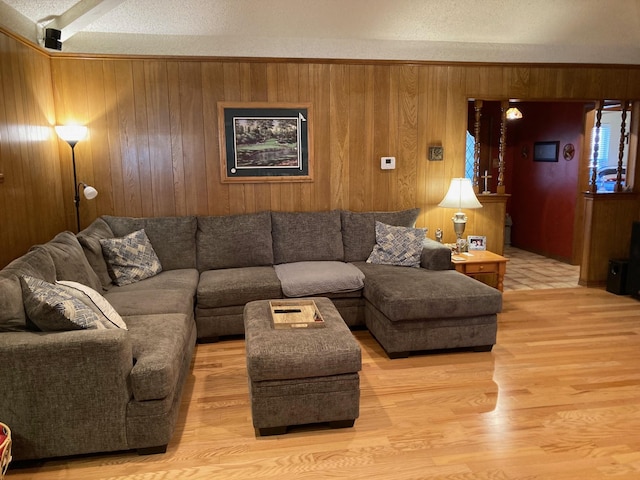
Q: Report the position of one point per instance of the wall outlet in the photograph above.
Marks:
(388, 163)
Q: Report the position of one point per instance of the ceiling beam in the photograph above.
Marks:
(81, 15)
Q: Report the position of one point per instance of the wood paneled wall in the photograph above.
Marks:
(608, 223)
(31, 209)
(153, 146)
(153, 130)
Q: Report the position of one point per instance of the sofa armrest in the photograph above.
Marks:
(435, 255)
(65, 393)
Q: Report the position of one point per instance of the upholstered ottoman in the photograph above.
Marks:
(415, 309)
(301, 376)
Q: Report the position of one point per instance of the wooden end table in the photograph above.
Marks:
(480, 262)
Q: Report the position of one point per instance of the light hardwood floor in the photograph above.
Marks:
(557, 398)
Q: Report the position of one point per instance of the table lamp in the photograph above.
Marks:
(459, 196)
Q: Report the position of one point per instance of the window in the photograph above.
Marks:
(468, 165)
(606, 164)
(603, 145)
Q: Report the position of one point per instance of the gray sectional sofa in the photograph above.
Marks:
(97, 390)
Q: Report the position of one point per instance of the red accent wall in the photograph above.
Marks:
(543, 194)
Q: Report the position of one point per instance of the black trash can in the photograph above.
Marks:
(617, 277)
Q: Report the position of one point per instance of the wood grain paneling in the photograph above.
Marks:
(31, 195)
(485, 221)
(165, 110)
(608, 221)
(153, 143)
(160, 113)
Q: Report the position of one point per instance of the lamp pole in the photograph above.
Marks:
(76, 198)
(72, 134)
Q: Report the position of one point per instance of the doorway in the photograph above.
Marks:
(547, 155)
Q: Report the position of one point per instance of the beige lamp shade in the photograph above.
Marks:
(460, 195)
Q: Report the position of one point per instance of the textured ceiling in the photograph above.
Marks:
(566, 31)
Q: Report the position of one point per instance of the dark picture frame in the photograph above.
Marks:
(265, 142)
(546, 151)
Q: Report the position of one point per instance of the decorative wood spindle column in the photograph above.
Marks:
(476, 146)
(504, 105)
(593, 187)
(623, 136)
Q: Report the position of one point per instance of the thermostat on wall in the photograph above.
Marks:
(388, 163)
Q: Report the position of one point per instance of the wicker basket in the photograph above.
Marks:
(5, 449)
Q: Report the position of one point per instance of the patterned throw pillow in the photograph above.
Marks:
(96, 302)
(397, 245)
(130, 258)
(52, 309)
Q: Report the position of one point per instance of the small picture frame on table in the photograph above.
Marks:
(476, 242)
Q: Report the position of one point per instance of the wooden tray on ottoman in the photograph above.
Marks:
(287, 314)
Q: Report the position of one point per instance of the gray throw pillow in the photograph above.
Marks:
(96, 302)
(130, 258)
(52, 309)
(397, 245)
(359, 230)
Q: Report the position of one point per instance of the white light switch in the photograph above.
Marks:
(387, 163)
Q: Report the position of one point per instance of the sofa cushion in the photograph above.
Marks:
(158, 357)
(237, 286)
(416, 293)
(397, 245)
(301, 279)
(36, 263)
(306, 236)
(70, 261)
(90, 238)
(233, 241)
(130, 258)
(52, 309)
(173, 238)
(184, 280)
(168, 292)
(359, 230)
(130, 303)
(94, 301)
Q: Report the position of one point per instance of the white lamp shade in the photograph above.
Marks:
(89, 192)
(460, 195)
(71, 133)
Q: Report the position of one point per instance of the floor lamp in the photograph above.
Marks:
(72, 134)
